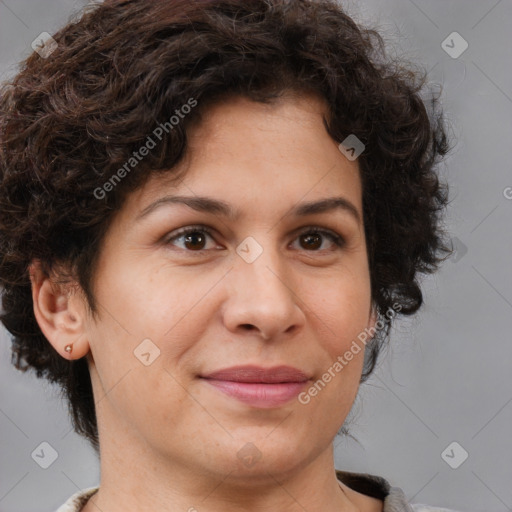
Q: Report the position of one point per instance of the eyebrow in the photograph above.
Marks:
(217, 207)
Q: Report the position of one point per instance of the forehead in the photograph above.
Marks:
(242, 149)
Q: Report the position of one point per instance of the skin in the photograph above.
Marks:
(169, 440)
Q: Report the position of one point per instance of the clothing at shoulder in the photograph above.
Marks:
(77, 502)
(375, 486)
(418, 507)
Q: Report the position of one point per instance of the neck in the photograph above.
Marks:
(137, 479)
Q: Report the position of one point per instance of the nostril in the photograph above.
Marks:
(249, 327)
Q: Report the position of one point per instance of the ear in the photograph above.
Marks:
(60, 314)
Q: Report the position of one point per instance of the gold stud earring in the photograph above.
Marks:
(68, 348)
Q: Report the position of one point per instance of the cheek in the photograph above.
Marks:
(151, 301)
(340, 312)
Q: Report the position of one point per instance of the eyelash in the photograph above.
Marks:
(338, 240)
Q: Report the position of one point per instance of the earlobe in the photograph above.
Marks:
(58, 316)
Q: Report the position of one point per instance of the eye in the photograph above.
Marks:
(194, 237)
(312, 238)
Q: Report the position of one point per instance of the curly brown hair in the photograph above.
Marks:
(70, 120)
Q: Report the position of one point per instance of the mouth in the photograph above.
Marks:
(259, 387)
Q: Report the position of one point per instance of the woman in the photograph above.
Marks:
(211, 213)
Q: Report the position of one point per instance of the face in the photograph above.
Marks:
(267, 285)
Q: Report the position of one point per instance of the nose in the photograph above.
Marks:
(263, 297)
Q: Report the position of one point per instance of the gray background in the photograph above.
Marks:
(446, 376)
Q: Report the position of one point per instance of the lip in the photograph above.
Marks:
(259, 387)
(254, 374)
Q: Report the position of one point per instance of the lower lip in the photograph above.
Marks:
(259, 394)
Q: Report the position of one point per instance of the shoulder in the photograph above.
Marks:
(393, 498)
(76, 502)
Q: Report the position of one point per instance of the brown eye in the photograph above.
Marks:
(312, 239)
(194, 239)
